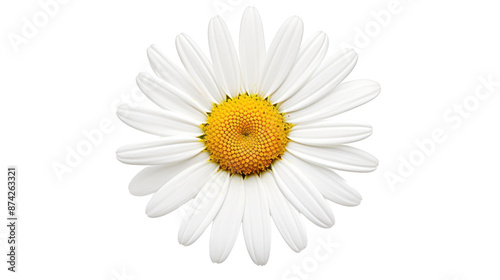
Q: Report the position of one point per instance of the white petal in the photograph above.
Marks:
(180, 189)
(281, 56)
(323, 82)
(176, 76)
(329, 184)
(302, 194)
(256, 222)
(286, 218)
(224, 57)
(227, 223)
(252, 48)
(169, 98)
(198, 66)
(152, 178)
(204, 208)
(161, 123)
(344, 97)
(310, 56)
(329, 132)
(337, 157)
(166, 150)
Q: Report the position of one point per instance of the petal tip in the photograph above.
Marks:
(249, 11)
(152, 51)
(151, 211)
(180, 38)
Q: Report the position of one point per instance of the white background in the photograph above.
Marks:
(440, 222)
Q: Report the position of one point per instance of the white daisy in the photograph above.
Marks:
(251, 137)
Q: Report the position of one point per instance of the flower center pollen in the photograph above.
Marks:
(245, 134)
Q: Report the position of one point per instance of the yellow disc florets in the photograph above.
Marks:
(246, 134)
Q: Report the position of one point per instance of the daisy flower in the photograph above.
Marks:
(249, 136)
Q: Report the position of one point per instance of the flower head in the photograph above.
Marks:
(249, 137)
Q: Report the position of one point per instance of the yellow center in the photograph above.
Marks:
(246, 134)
